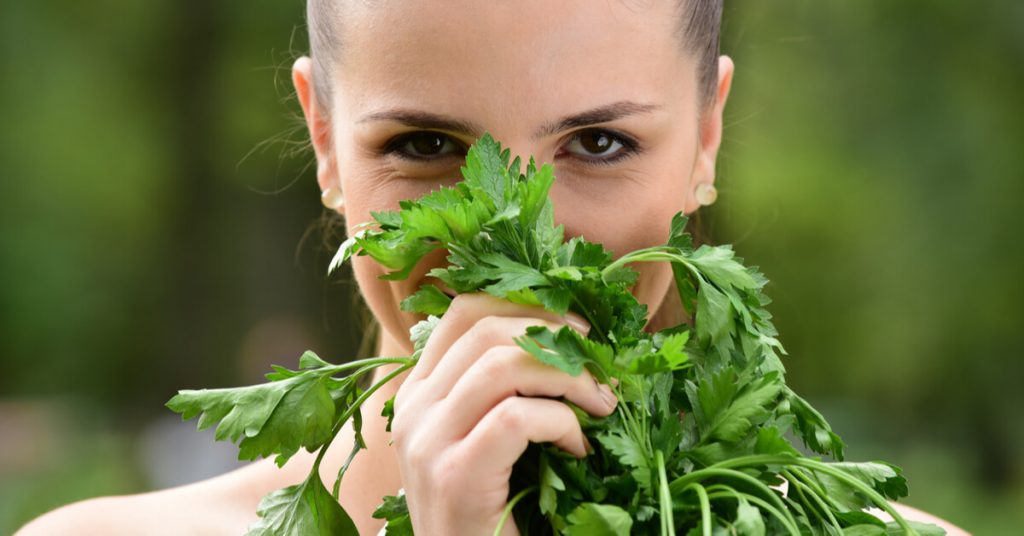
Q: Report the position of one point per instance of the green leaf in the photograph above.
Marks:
(730, 409)
(812, 427)
(678, 237)
(534, 193)
(420, 222)
(428, 300)
(883, 477)
(272, 418)
(388, 412)
(631, 454)
(771, 441)
(714, 314)
(305, 508)
(396, 512)
(510, 275)
(622, 275)
(569, 273)
(309, 360)
(347, 248)
(565, 349)
(719, 265)
(592, 519)
(486, 171)
(420, 332)
(580, 253)
(645, 359)
(554, 299)
(550, 485)
(748, 519)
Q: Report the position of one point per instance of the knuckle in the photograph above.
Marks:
(446, 473)
(457, 309)
(414, 452)
(486, 327)
(463, 304)
(509, 416)
(495, 364)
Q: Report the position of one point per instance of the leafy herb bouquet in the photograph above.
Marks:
(698, 442)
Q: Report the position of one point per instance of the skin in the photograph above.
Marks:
(473, 403)
(571, 58)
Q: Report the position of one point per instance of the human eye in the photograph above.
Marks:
(601, 147)
(423, 146)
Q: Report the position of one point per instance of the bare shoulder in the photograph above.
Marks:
(215, 506)
(913, 514)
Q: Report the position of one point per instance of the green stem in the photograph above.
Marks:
(369, 392)
(821, 493)
(595, 327)
(365, 364)
(408, 363)
(798, 484)
(838, 474)
(512, 504)
(705, 507)
(731, 492)
(682, 482)
(668, 525)
(657, 253)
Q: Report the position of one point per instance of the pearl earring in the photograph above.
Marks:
(332, 198)
(706, 193)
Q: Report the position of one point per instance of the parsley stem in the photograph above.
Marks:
(838, 474)
(795, 479)
(728, 491)
(364, 363)
(407, 364)
(705, 507)
(682, 482)
(512, 504)
(595, 327)
(668, 525)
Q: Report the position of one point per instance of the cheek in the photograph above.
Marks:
(384, 297)
(377, 293)
(624, 217)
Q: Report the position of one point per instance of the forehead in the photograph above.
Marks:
(499, 60)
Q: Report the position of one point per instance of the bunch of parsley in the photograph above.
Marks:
(698, 442)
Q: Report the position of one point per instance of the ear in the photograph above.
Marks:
(318, 123)
(710, 130)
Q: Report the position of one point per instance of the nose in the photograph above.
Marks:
(524, 147)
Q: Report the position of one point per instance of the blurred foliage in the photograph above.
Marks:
(159, 216)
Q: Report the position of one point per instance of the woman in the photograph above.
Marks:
(624, 98)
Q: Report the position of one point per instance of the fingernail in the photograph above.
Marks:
(587, 447)
(607, 395)
(577, 323)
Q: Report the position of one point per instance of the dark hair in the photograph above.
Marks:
(698, 28)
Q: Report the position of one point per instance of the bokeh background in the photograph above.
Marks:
(159, 230)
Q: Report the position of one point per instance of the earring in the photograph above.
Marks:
(706, 193)
(332, 198)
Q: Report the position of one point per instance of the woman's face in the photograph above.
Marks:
(601, 90)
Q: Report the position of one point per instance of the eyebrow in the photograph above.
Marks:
(427, 120)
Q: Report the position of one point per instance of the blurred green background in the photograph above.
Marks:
(159, 230)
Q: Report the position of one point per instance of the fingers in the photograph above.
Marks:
(498, 440)
(508, 371)
(487, 333)
(466, 311)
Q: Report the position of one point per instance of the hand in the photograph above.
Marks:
(468, 410)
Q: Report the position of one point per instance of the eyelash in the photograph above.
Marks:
(629, 147)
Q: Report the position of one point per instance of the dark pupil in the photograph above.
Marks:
(596, 142)
(427, 143)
